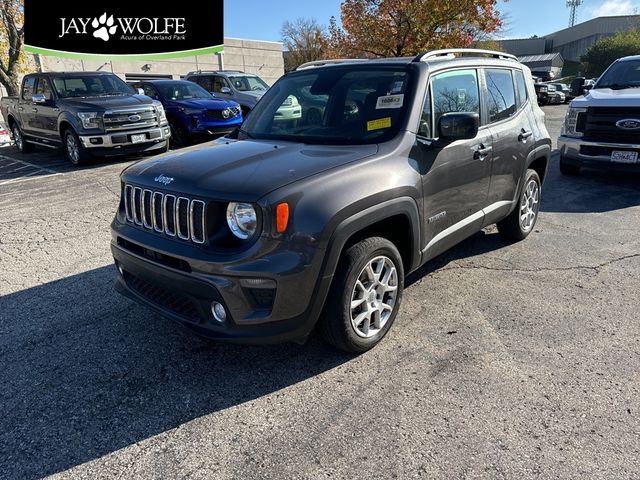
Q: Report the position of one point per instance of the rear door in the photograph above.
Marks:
(456, 176)
(506, 101)
(26, 107)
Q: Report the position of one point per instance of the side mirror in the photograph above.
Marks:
(225, 90)
(140, 91)
(458, 126)
(577, 86)
(39, 98)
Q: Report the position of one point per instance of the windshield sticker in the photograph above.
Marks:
(390, 101)
(378, 124)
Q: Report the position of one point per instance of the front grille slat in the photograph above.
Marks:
(180, 217)
(600, 125)
(124, 120)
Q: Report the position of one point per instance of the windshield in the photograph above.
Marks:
(182, 91)
(625, 74)
(338, 105)
(90, 86)
(245, 83)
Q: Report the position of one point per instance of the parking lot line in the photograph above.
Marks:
(28, 164)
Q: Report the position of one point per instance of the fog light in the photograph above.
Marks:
(96, 141)
(219, 313)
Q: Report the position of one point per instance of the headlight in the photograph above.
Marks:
(190, 111)
(89, 119)
(242, 220)
(543, 89)
(160, 111)
(574, 122)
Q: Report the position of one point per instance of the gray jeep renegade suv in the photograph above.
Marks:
(262, 235)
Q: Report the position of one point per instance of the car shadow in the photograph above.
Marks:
(593, 191)
(87, 372)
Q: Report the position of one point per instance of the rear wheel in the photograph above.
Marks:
(21, 143)
(74, 150)
(365, 297)
(568, 169)
(519, 224)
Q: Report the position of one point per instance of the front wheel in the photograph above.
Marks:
(365, 296)
(179, 135)
(74, 150)
(519, 224)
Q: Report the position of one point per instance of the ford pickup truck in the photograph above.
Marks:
(85, 113)
(602, 127)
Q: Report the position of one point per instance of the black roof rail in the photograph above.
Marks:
(320, 63)
(471, 52)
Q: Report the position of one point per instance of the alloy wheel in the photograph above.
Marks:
(374, 296)
(73, 149)
(529, 205)
(18, 137)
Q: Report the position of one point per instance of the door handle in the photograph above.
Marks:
(524, 136)
(482, 152)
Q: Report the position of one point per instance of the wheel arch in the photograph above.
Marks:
(538, 160)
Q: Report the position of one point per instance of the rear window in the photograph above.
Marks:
(522, 88)
(501, 98)
(27, 88)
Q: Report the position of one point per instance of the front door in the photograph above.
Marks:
(46, 125)
(456, 176)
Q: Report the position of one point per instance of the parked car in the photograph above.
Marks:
(193, 113)
(543, 75)
(564, 88)
(251, 237)
(557, 97)
(5, 137)
(243, 88)
(85, 113)
(545, 93)
(602, 125)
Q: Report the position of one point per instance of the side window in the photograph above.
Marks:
(501, 95)
(204, 82)
(522, 88)
(455, 91)
(424, 129)
(218, 83)
(149, 91)
(27, 88)
(44, 88)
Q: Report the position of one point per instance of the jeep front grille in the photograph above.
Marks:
(178, 217)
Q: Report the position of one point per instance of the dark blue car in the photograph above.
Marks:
(193, 113)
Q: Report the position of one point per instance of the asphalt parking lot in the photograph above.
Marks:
(506, 361)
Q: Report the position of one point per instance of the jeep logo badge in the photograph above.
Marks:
(629, 124)
(163, 180)
(134, 118)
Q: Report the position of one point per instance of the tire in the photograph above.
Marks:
(568, 169)
(379, 298)
(178, 134)
(73, 149)
(516, 227)
(18, 138)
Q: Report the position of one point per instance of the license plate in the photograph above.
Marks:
(624, 157)
(138, 138)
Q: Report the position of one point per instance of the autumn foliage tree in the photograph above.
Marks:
(396, 28)
(12, 57)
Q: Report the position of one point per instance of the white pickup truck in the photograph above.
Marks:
(602, 127)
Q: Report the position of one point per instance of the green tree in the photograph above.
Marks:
(304, 41)
(603, 53)
(12, 57)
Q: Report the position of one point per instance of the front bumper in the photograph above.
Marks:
(184, 288)
(122, 139)
(579, 152)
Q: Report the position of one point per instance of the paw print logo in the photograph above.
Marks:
(104, 27)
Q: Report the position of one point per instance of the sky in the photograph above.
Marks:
(252, 20)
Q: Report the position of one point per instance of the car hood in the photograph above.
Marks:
(241, 170)
(208, 104)
(605, 97)
(107, 103)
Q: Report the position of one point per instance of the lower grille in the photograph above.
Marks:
(176, 303)
(173, 216)
(217, 114)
